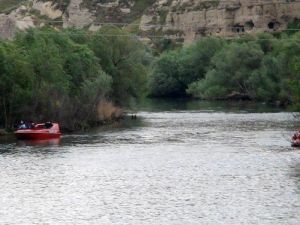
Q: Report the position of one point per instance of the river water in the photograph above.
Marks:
(180, 163)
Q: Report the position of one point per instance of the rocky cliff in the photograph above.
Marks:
(194, 18)
(182, 19)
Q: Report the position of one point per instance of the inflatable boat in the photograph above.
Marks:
(296, 143)
(41, 131)
(296, 140)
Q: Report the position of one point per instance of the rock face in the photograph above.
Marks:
(77, 16)
(184, 19)
(18, 19)
(7, 27)
(47, 9)
(195, 18)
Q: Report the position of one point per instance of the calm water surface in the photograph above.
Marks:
(191, 163)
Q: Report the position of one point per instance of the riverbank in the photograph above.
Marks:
(3, 132)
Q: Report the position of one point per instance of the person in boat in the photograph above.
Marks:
(22, 125)
(31, 125)
(297, 135)
(48, 125)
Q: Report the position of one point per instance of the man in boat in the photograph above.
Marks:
(296, 139)
(22, 125)
(296, 136)
(31, 125)
(48, 125)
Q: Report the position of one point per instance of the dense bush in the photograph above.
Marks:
(173, 71)
(66, 76)
(124, 59)
(70, 75)
(259, 67)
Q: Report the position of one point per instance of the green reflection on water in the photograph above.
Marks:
(216, 106)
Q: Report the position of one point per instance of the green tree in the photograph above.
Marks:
(61, 70)
(46, 58)
(121, 56)
(164, 79)
(232, 71)
(16, 83)
(173, 71)
(291, 53)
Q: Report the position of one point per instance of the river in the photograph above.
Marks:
(179, 163)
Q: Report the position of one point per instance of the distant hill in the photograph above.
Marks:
(185, 20)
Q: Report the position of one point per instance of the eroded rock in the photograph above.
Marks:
(189, 19)
(77, 16)
(48, 9)
(198, 18)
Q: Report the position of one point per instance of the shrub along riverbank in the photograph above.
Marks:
(76, 77)
(260, 68)
(69, 76)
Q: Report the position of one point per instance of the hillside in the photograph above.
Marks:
(185, 20)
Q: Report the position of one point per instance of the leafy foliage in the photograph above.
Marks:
(173, 71)
(64, 76)
(123, 58)
(261, 67)
(233, 70)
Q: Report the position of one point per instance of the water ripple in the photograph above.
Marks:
(187, 167)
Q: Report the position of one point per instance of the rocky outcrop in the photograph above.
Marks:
(48, 9)
(7, 27)
(77, 16)
(18, 19)
(195, 18)
(181, 19)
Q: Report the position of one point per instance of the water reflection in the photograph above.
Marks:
(215, 106)
(102, 134)
(39, 143)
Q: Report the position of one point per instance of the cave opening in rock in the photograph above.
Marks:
(201, 32)
(238, 28)
(249, 25)
(273, 25)
(172, 21)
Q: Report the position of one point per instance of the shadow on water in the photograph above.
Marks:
(98, 134)
(215, 106)
(10, 145)
(39, 143)
(296, 173)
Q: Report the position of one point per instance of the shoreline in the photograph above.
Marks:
(3, 132)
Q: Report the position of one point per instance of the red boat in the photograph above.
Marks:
(296, 139)
(296, 143)
(41, 131)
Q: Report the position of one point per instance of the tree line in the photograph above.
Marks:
(261, 68)
(76, 77)
(69, 76)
